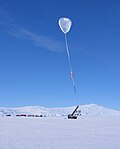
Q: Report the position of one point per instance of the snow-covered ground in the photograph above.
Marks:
(98, 132)
(97, 128)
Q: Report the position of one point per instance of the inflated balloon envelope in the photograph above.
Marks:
(65, 24)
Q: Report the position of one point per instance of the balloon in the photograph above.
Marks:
(65, 24)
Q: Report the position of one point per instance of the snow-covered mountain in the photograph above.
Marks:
(86, 110)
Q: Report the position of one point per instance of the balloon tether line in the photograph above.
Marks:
(69, 59)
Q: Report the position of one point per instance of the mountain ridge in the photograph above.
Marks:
(86, 110)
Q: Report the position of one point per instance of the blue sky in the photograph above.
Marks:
(34, 68)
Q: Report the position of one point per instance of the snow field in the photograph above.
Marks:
(60, 133)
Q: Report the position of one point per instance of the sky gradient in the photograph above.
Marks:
(34, 68)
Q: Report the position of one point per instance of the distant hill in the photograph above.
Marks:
(86, 110)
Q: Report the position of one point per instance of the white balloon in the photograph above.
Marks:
(65, 24)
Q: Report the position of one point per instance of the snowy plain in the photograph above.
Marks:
(93, 132)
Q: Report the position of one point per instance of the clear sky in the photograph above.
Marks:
(34, 68)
